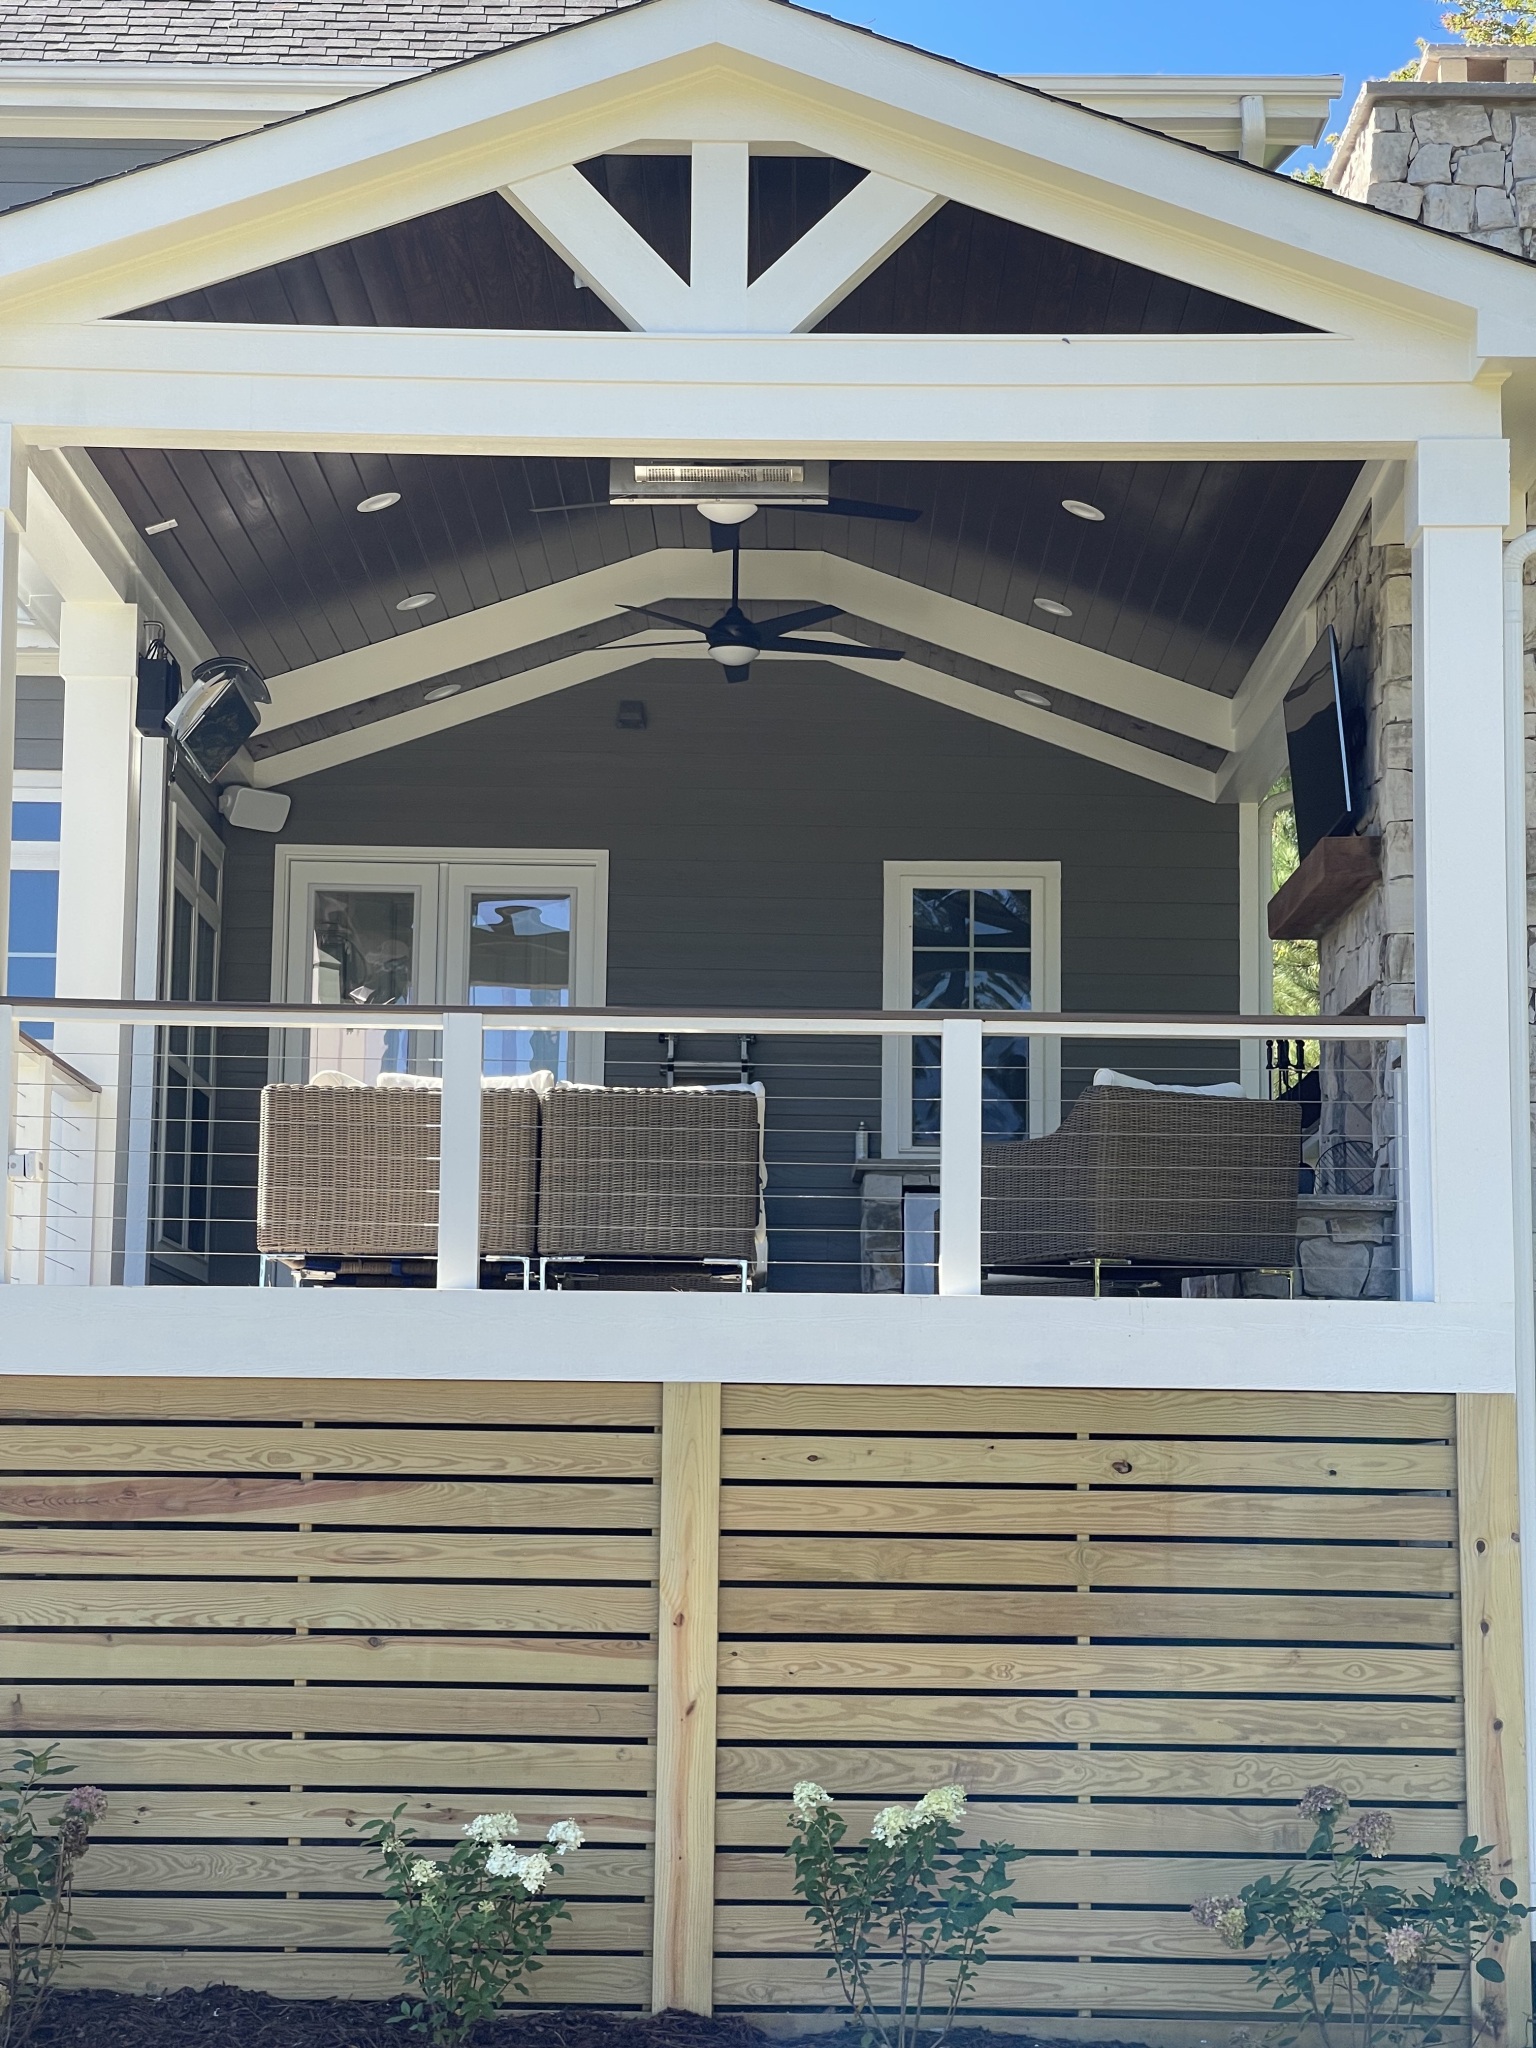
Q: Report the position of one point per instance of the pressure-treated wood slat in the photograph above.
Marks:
(1227, 1617)
(331, 1450)
(623, 1981)
(373, 1604)
(149, 1869)
(1132, 1667)
(1066, 1410)
(1039, 1511)
(594, 1925)
(1158, 1827)
(1106, 1773)
(484, 1403)
(970, 1561)
(217, 1815)
(256, 1760)
(1124, 1461)
(188, 1709)
(422, 1659)
(385, 1502)
(1103, 1932)
(1032, 1717)
(251, 1554)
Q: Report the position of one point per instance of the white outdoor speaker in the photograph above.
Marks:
(255, 810)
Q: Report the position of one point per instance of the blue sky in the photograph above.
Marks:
(1360, 38)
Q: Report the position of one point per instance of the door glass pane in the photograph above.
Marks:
(364, 947)
(520, 959)
(971, 951)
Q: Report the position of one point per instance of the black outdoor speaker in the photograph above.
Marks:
(159, 685)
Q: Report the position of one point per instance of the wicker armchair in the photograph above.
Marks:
(1176, 1181)
(352, 1172)
(652, 1173)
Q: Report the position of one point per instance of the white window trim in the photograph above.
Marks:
(1043, 879)
(439, 874)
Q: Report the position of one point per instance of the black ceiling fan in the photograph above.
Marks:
(734, 639)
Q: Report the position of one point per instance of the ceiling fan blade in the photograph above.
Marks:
(860, 508)
(671, 618)
(787, 622)
(776, 645)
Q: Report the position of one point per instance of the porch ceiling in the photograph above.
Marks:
(1175, 591)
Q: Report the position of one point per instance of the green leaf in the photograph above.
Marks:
(1487, 1967)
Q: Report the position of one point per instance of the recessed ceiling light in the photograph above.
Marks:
(419, 599)
(1080, 508)
(1054, 606)
(439, 691)
(162, 526)
(1036, 697)
(379, 502)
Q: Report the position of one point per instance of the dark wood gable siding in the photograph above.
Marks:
(746, 829)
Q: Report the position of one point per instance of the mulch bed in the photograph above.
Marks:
(223, 2017)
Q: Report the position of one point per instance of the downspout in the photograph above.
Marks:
(1516, 554)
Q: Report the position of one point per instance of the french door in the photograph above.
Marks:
(384, 928)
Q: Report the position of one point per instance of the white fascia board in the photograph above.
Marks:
(1202, 109)
(787, 574)
(192, 103)
(1122, 397)
(273, 1333)
(448, 134)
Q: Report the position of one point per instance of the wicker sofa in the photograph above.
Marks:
(1167, 1182)
(347, 1176)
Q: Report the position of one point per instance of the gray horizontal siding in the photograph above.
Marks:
(747, 830)
(36, 167)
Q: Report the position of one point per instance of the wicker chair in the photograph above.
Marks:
(651, 1173)
(1183, 1183)
(351, 1173)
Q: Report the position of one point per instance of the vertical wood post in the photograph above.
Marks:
(687, 1648)
(1487, 1497)
(960, 1156)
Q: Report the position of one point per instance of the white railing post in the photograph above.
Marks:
(458, 1171)
(7, 1131)
(1416, 1185)
(960, 1157)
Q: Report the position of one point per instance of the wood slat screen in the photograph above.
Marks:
(1134, 1626)
(262, 1613)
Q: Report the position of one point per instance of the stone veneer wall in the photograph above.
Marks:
(1457, 157)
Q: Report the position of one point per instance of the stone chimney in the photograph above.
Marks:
(1454, 146)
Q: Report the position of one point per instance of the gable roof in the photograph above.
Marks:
(383, 32)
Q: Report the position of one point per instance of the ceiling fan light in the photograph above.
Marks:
(1081, 509)
(732, 657)
(726, 511)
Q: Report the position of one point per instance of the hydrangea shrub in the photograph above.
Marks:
(472, 1926)
(905, 1917)
(44, 1831)
(1363, 1960)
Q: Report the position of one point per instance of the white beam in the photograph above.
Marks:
(837, 254)
(603, 249)
(1120, 397)
(717, 246)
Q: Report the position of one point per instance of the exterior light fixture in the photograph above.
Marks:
(439, 691)
(163, 526)
(417, 601)
(1037, 698)
(1081, 509)
(379, 502)
(217, 712)
(1054, 606)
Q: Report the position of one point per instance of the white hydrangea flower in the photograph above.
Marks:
(492, 1827)
(425, 1871)
(944, 1802)
(892, 1822)
(503, 1861)
(807, 1798)
(533, 1873)
(566, 1836)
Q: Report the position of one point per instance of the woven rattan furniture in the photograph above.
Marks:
(1183, 1183)
(651, 1173)
(352, 1172)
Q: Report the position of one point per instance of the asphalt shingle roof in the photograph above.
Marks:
(386, 32)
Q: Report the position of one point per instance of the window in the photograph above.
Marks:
(32, 952)
(186, 1064)
(963, 938)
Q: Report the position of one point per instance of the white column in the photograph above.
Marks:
(1457, 508)
(98, 866)
(960, 1157)
(13, 515)
(1254, 984)
(717, 254)
(145, 985)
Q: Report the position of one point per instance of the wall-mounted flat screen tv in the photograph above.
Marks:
(1321, 786)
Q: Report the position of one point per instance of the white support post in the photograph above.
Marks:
(7, 1123)
(458, 1171)
(13, 519)
(145, 977)
(717, 250)
(1415, 1170)
(1252, 939)
(1456, 510)
(960, 1157)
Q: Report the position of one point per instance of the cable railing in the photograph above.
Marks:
(580, 1150)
